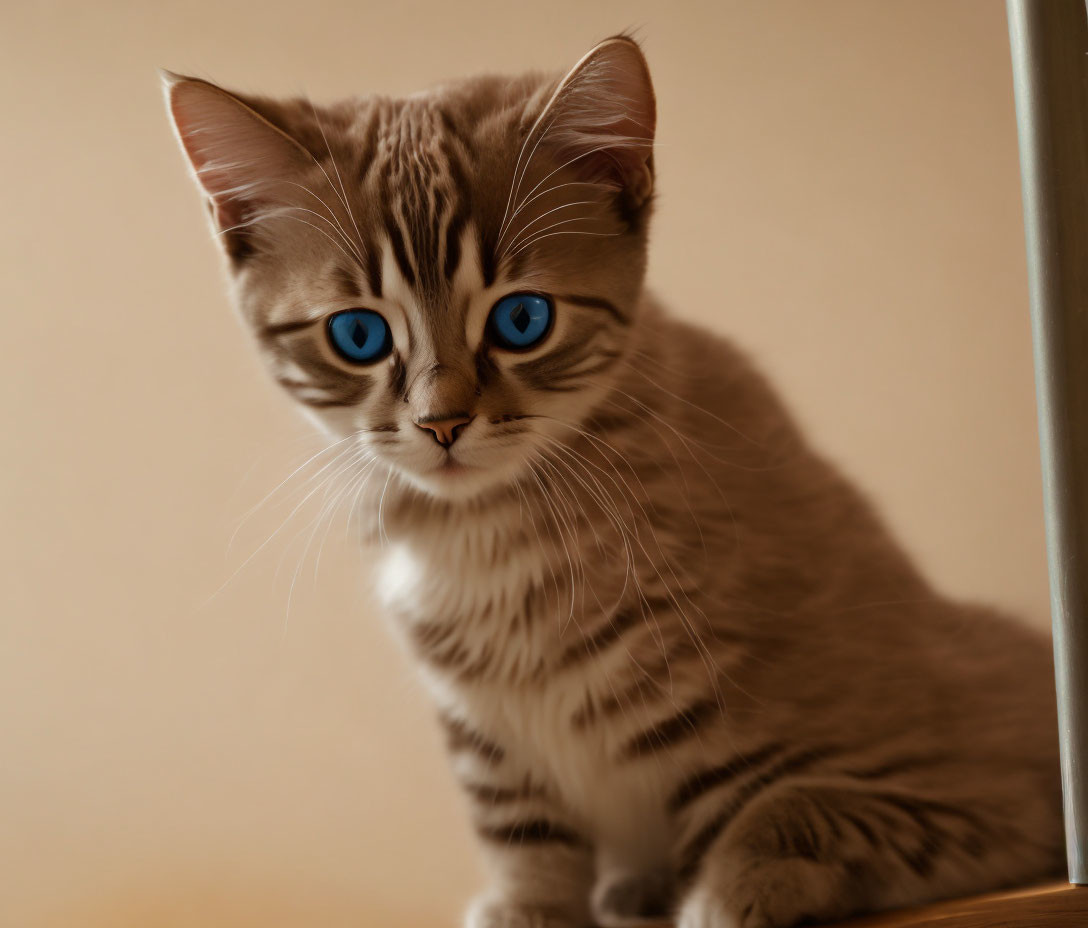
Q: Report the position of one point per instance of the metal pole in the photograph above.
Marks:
(1049, 40)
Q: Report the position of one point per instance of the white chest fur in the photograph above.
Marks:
(481, 587)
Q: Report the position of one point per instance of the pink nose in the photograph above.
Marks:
(445, 430)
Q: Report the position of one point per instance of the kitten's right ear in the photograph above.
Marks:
(241, 161)
(601, 119)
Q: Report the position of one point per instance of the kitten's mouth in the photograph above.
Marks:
(451, 468)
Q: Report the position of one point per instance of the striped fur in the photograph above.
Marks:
(680, 664)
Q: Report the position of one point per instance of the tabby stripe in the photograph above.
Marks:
(537, 831)
(899, 765)
(452, 657)
(606, 359)
(275, 330)
(697, 847)
(705, 780)
(931, 841)
(488, 259)
(428, 636)
(398, 380)
(434, 243)
(861, 826)
(454, 228)
(561, 378)
(366, 160)
(239, 245)
(486, 368)
(591, 645)
(612, 630)
(345, 278)
(498, 795)
(373, 271)
(921, 860)
(555, 370)
(553, 388)
(594, 302)
(460, 213)
(672, 731)
(327, 403)
(438, 644)
(919, 808)
(339, 395)
(934, 838)
(646, 683)
(459, 737)
(400, 251)
(828, 817)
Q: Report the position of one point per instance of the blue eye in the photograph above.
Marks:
(520, 320)
(360, 336)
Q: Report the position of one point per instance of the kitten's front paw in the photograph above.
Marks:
(775, 894)
(632, 899)
(489, 912)
(705, 908)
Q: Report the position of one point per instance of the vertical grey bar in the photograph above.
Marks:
(1049, 40)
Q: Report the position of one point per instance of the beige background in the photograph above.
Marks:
(839, 190)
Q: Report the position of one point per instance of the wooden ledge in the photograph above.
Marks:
(1053, 905)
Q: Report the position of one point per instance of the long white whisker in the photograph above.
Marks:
(514, 238)
(533, 241)
(334, 226)
(332, 158)
(328, 505)
(278, 212)
(545, 497)
(584, 154)
(343, 232)
(514, 192)
(552, 189)
(283, 524)
(250, 512)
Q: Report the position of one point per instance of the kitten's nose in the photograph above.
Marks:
(445, 429)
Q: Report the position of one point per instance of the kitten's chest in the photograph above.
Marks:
(481, 629)
(471, 602)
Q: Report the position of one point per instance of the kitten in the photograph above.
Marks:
(683, 669)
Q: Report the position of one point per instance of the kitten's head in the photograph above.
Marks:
(451, 278)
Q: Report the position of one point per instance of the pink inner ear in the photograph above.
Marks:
(238, 158)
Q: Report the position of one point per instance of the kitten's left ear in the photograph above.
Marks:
(601, 119)
(240, 159)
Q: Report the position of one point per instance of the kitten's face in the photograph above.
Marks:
(451, 279)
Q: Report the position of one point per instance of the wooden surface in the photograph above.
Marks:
(1055, 905)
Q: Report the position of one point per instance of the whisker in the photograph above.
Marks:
(253, 510)
(533, 241)
(340, 454)
(552, 189)
(531, 222)
(335, 218)
(332, 159)
(327, 507)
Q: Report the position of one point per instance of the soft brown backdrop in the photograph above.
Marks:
(838, 190)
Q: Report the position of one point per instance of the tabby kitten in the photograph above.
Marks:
(683, 669)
